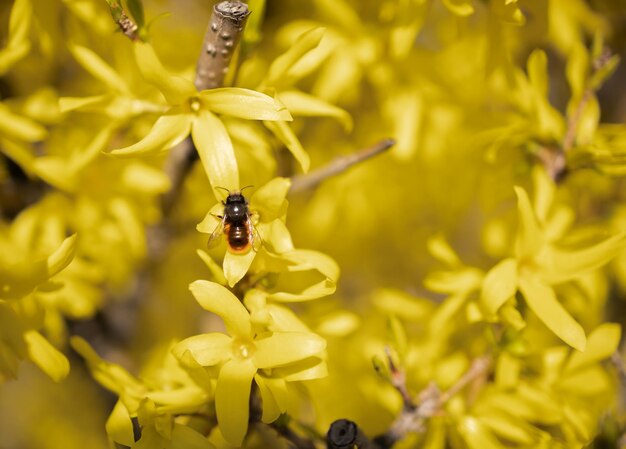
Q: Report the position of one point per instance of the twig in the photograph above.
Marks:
(430, 402)
(220, 42)
(338, 165)
(295, 440)
(126, 24)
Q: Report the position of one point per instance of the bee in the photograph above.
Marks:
(236, 224)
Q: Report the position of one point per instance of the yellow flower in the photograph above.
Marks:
(270, 358)
(195, 112)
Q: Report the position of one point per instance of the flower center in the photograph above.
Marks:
(243, 349)
(194, 104)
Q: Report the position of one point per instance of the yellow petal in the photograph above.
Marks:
(306, 105)
(529, 236)
(119, 426)
(62, 257)
(46, 356)
(286, 135)
(237, 265)
(206, 349)
(601, 344)
(175, 89)
(99, 69)
(269, 200)
(184, 436)
(216, 151)
(219, 300)
(168, 130)
(542, 300)
(282, 64)
(459, 7)
(232, 395)
(18, 127)
(499, 284)
(476, 435)
(286, 347)
(244, 103)
(271, 407)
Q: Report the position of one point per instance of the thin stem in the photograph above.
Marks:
(339, 165)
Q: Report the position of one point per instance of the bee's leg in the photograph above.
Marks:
(253, 216)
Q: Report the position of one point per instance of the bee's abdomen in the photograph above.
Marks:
(238, 237)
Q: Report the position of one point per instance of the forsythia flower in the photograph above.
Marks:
(245, 355)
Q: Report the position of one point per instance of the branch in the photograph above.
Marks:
(125, 23)
(220, 41)
(337, 166)
(345, 434)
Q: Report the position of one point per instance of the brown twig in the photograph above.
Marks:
(339, 165)
(124, 22)
(220, 42)
(430, 402)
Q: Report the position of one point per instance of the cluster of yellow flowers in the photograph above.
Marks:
(493, 230)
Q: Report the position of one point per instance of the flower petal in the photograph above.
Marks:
(206, 349)
(499, 284)
(529, 236)
(601, 344)
(174, 88)
(237, 265)
(167, 131)
(19, 127)
(306, 105)
(542, 300)
(269, 200)
(232, 394)
(279, 69)
(184, 436)
(286, 135)
(62, 257)
(245, 103)
(98, 68)
(216, 151)
(45, 356)
(219, 300)
(274, 395)
(119, 426)
(566, 265)
(286, 347)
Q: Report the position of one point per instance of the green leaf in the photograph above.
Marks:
(45, 356)
(219, 300)
(499, 285)
(232, 395)
(542, 300)
(175, 89)
(135, 7)
(168, 131)
(286, 135)
(283, 348)
(206, 349)
(281, 65)
(216, 151)
(244, 103)
(305, 105)
(601, 344)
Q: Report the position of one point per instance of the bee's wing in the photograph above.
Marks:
(255, 237)
(217, 233)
